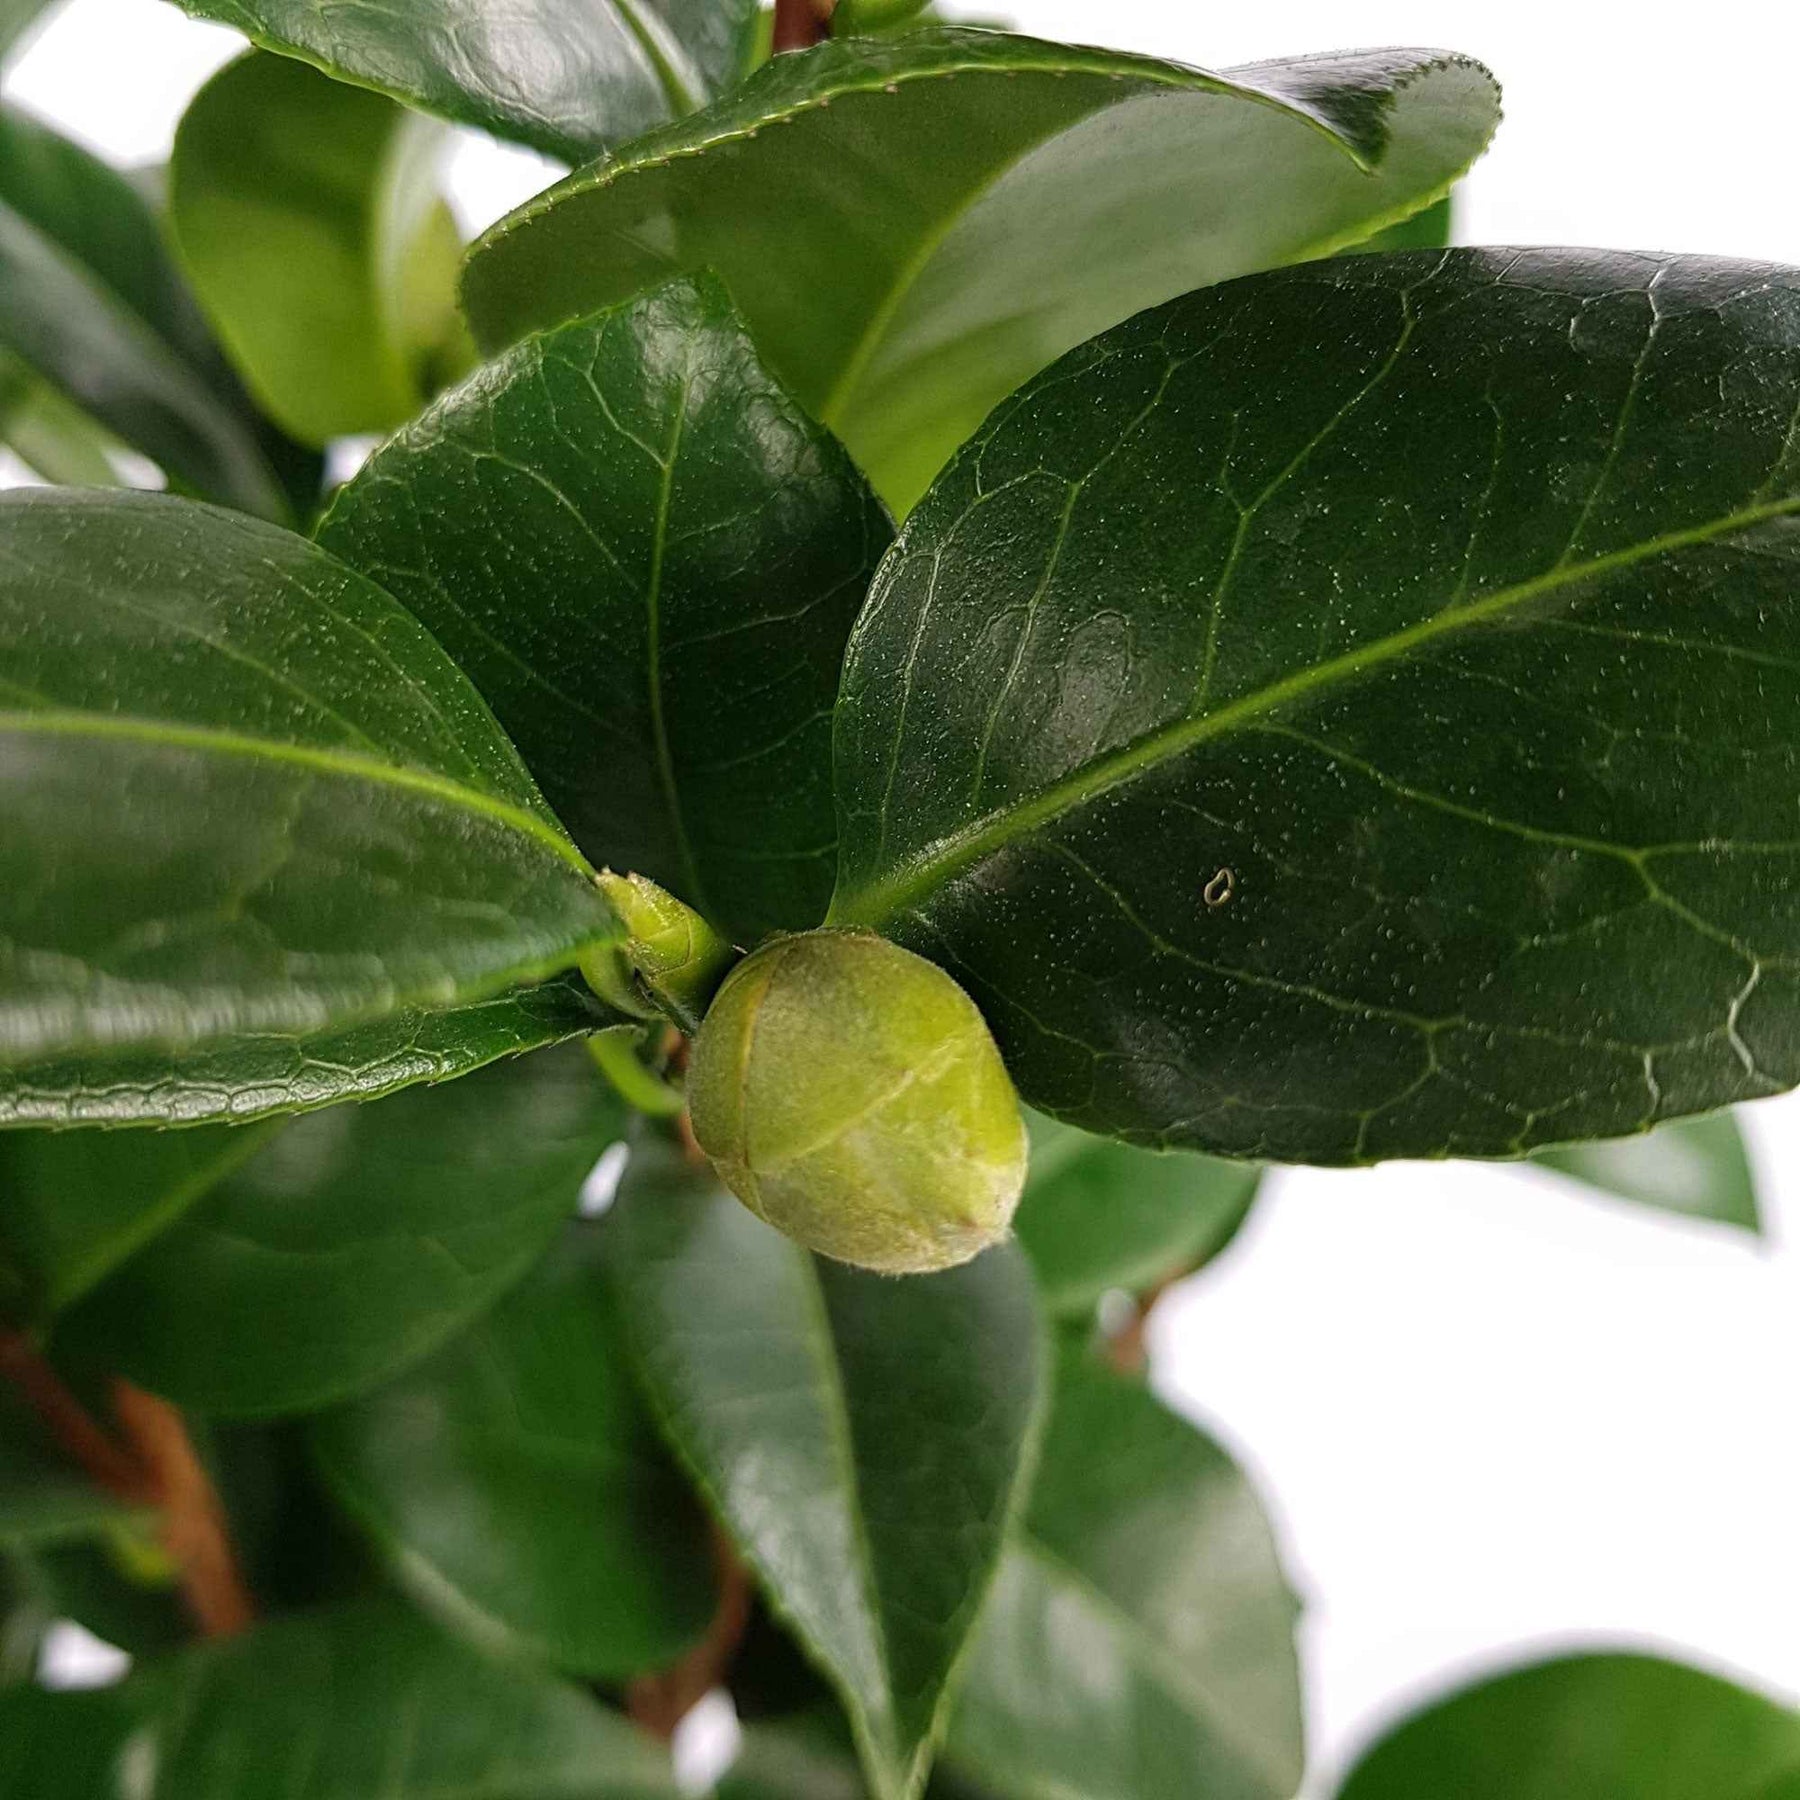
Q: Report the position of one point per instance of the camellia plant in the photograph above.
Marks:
(934, 569)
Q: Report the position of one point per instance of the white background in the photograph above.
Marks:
(1489, 1413)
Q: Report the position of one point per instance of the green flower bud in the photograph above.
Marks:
(849, 1093)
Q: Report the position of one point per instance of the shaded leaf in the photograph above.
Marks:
(1696, 1167)
(1098, 1215)
(796, 1760)
(311, 220)
(357, 1701)
(17, 17)
(648, 559)
(45, 1499)
(862, 1439)
(1427, 783)
(568, 80)
(915, 225)
(76, 1204)
(1140, 1638)
(356, 1242)
(243, 797)
(1431, 229)
(518, 1489)
(91, 299)
(1620, 1726)
(50, 434)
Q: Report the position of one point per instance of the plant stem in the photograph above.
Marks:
(195, 1531)
(156, 1467)
(799, 24)
(660, 1702)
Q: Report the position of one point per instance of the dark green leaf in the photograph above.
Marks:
(243, 796)
(1351, 713)
(44, 1499)
(75, 1204)
(1099, 1215)
(287, 1072)
(1612, 1727)
(915, 225)
(355, 1243)
(648, 559)
(1140, 1639)
(518, 1489)
(862, 1438)
(793, 1761)
(91, 299)
(568, 79)
(1697, 1167)
(348, 1704)
(310, 217)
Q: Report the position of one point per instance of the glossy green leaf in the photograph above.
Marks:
(311, 220)
(91, 299)
(1140, 1637)
(44, 1499)
(346, 1704)
(915, 225)
(354, 1243)
(1349, 713)
(1613, 1727)
(1696, 1167)
(243, 796)
(649, 560)
(274, 1073)
(863, 1439)
(518, 1489)
(1098, 1215)
(568, 80)
(76, 1204)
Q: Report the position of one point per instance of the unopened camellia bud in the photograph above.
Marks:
(849, 1093)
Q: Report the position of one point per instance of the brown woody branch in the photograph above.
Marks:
(156, 1467)
(660, 1702)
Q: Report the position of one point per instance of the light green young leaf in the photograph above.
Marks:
(518, 1489)
(1427, 787)
(1621, 1726)
(913, 226)
(1098, 1215)
(355, 1701)
(864, 1440)
(92, 301)
(1139, 1644)
(246, 802)
(356, 1242)
(1696, 1167)
(648, 559)
(311, 220)
(568, 80)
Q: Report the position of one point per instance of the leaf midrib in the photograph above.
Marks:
(878, 901)
(343, 765)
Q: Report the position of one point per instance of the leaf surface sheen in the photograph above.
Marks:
(864, 1440)
(353, 1244)
(1140, 1638)
(913, 226)
(565, 79)
(93, 301)
(518, 1487)
(1347, 713)
(312, 223)
(648, 559)
(245, 801)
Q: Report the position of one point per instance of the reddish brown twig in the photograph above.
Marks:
(801, 23)
(660, 1702)
(156, 1467)
(195, 1531)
